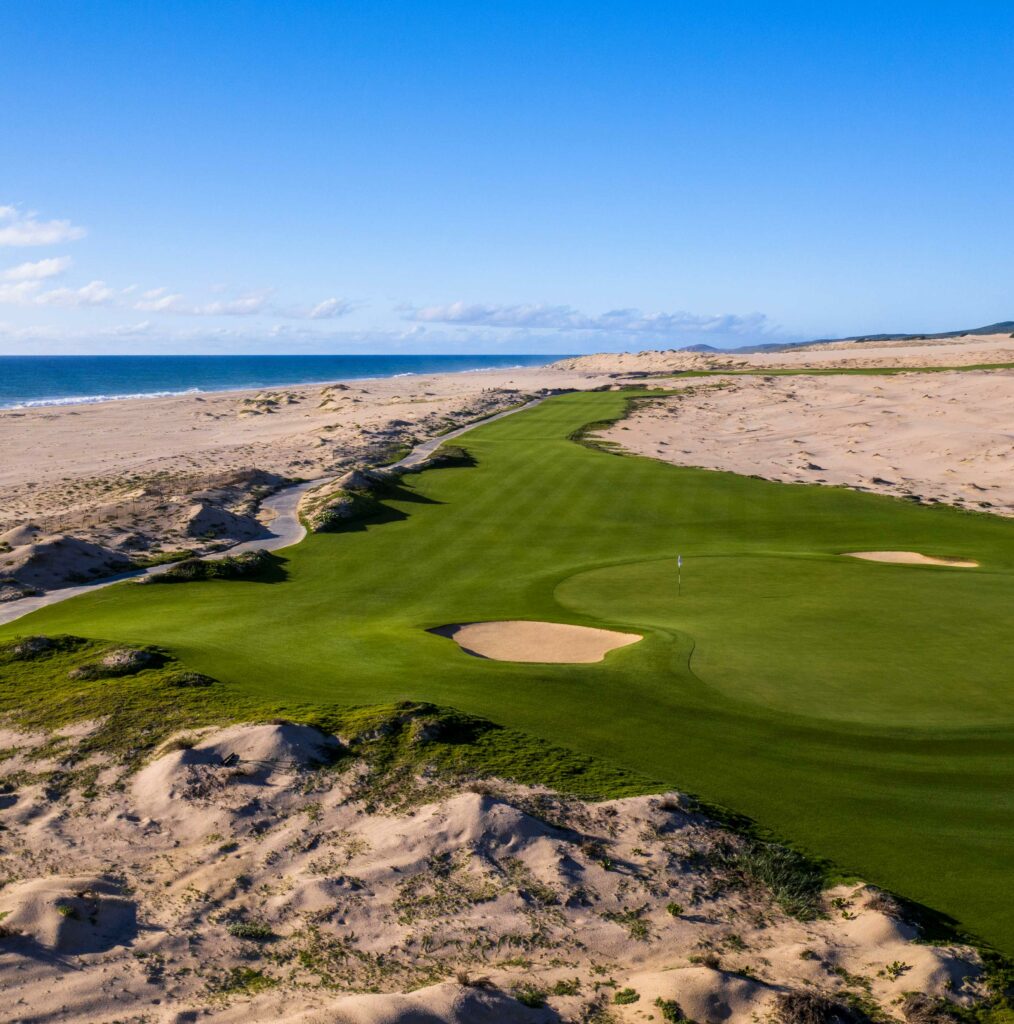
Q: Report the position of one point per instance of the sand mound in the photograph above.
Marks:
(53, 561)
(357, 480)
(19, 535)
(69, 914)
(205, 520)
(703, 994)
(932, 970)
(909, 558)
(124, 661)
(32, 647)
(478, 822)
(304, 887)
(217, 768)
(438, 1004)
(545, 642)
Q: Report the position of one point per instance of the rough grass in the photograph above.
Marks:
(860, 710)
(135, 715)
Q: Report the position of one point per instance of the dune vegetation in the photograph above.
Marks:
(859, 710)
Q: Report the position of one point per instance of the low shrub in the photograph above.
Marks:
(233, 567)
(811, 1008)
(256, 931)
(530, 995)
(671, 1010)
(794, 882)
(190, 679)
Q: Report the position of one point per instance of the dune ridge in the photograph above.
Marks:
(238, 875)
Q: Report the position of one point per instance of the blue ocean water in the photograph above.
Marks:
(68, 380)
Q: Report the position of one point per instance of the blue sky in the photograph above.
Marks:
(518, 177)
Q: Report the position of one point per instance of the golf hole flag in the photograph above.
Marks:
(679, 575)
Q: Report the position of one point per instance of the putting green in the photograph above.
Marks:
(861, 710)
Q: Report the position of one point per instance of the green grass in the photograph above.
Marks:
(861, 711)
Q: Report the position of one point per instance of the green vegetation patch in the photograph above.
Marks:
(245, 566)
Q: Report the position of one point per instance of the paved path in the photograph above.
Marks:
(285, 527)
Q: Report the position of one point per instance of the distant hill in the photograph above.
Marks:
(1003, 327)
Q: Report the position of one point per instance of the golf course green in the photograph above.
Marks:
(862, 711)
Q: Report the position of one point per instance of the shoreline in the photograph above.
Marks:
(93, 490)
(61, 401)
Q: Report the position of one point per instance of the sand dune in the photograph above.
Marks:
(969, 350)
(946, 437)
(237, 877)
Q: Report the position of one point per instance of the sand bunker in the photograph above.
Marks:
(910, 558)
(546, 642)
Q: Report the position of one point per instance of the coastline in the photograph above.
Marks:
(94, 490)
(91, 490)
(430, 365)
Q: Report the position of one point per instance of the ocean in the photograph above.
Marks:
(27, 381)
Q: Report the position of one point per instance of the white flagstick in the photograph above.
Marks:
(679, 575)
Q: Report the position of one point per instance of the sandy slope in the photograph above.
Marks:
(968, 351)
(942, 436)
(265, 890)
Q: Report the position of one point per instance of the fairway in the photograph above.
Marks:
(861, 710)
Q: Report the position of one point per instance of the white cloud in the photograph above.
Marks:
(25, 283)
(22, 227)
(566, 318)
(329, 309)
(95, 293)
(31, 293)
(19, 293)
(245, 305)
(160, 300)
(37, 271)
